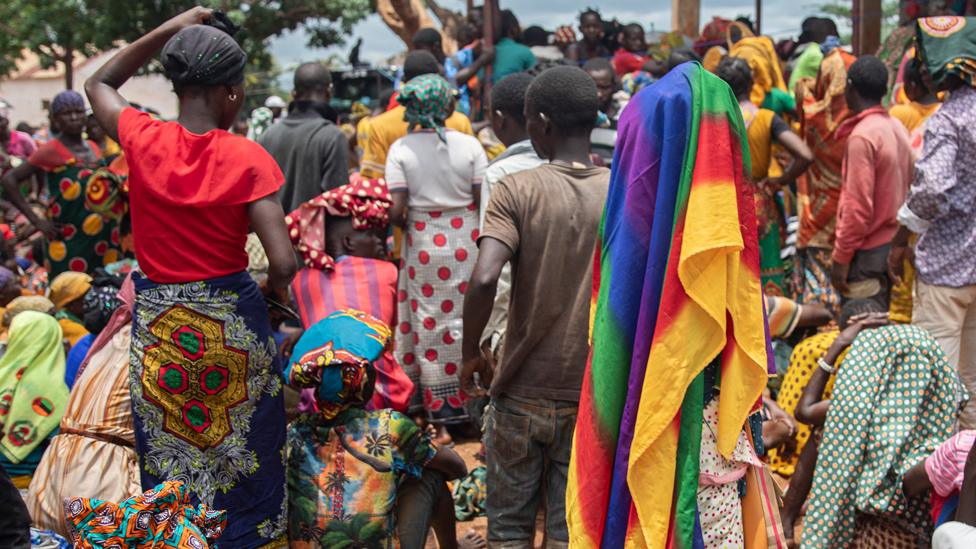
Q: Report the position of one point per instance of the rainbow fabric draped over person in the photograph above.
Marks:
(677, 288)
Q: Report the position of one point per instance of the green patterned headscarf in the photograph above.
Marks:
(947, 46)
(428, 101)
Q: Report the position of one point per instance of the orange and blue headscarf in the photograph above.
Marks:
(335, 356)
(160, 517)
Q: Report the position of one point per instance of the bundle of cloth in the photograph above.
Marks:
(662, 445)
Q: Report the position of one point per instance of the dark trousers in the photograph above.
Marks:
(868, 276)
(416, 501)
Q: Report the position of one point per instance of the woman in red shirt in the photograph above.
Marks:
(205, 378)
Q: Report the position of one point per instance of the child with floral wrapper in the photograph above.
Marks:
(373, 478)
(341, 237)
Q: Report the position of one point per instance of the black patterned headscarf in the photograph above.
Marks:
(100, 303)
(203, 55)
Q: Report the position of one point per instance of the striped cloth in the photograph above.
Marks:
(680, 259)
(782, 315)
(364, 284)
(946, 465)
(360, 283)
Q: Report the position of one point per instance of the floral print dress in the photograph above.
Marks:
(343, 477)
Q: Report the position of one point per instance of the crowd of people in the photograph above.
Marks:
(703, 293)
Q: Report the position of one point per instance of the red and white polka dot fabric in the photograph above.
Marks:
(439, 252)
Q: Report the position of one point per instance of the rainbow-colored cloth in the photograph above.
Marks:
(677, 289)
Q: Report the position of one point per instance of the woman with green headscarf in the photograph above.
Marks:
(33, 395)
(434, 174)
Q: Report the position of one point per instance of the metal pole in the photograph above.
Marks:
(490, 11)
(758, 17)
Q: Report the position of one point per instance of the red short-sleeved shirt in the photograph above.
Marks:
(188, 195)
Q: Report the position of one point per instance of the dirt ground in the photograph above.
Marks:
(468, 449)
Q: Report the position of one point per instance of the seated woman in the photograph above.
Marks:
(98, 304)
(894, 402)
(23, 303)
(68, 292)
(366, 456)
(341, 236)
(95, 432)
(32, 393)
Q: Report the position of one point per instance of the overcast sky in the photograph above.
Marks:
(781, 18)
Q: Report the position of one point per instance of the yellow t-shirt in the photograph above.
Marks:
(913, 114)
(383, 130)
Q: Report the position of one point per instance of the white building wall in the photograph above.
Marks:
(28, 95)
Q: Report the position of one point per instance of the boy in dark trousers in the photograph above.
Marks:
(544, 221)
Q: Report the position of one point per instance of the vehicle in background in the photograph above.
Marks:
(359, 84)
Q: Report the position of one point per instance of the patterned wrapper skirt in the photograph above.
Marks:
(208, 403)
(812, 279)
(439, 252)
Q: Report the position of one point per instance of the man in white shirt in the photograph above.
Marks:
(508, 123)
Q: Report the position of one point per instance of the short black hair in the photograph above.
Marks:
(681, 55)
(869, 77)
(385, 97)
(535, 36)
(737, 74)
(817, 29)
(747, 22)
(631, 27)
(464, 34)
(426, 37)
(508, 95)
(590, 11)
(913, 74)
(311, 77)
(543, 66)
(418, 63)
(567, 96)
(510, 23)
(597, 64)
(856, 307)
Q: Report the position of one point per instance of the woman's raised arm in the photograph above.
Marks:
(102, 87)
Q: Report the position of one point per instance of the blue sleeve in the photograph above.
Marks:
(76, 356)
(465, 57)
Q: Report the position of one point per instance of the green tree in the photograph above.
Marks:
(840, 11)
(58, 29)
(55, 30)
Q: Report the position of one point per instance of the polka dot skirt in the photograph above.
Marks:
(439, 253)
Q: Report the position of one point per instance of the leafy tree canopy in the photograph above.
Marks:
(57, 29)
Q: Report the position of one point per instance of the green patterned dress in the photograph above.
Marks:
(75, 188)
(895, 400)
